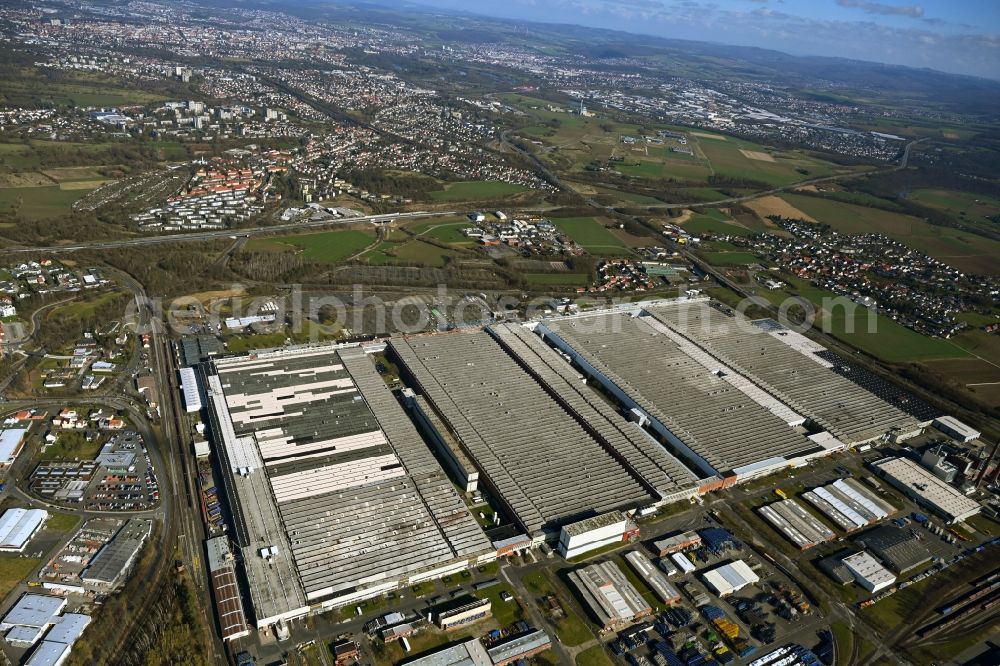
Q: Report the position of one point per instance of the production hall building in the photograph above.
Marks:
(547, 448)
(732, 398)
(335, 496)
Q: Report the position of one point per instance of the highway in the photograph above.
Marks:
(555, 180)
(221, 233)
(319, 224)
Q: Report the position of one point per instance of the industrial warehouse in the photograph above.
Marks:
(335, 496)
(485, 397)
(611, 598)
(731, 399)
(926, 489)
(702, 412)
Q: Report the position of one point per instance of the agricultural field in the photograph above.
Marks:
(571, 142)
(730, 258)
(476, 189)
(885, 339)
(558, 279)
(13, 570)
(38, 203)
(444, 231)
(328, 247)
(413, 251)
(419, 252)
(741, 159)
(716, 223)
(590, 234)
(966, 207)
(963, 250)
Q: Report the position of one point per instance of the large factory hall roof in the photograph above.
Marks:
(342, 478)
(718, 420)
(547, 468)
(807, 385)
(647, 457)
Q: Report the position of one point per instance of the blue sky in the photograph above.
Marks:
(961, 36)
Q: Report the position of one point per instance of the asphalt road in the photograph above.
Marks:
(555, 180)
(222, 233)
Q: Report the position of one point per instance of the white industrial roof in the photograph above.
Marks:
(69, 628)
(935, 492)
(849, 412)
(955, 425)
(866, 567)
(189, 386)
(730, 577)
(469, 653)
(17, 526)
(608, 593)
(725, 421)
(49, 653)
(33, 610)
(653, 576)
(10, 439)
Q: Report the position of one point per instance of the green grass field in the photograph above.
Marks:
(885, 339)
(13, 570)
(505, 612)
(977, 209)
(71, 445)
(963, 250)
(787, 166)
(62, 522)
(661, 168)
(328, 247)
(38, 202)
(573, 279)
(594, 656)
(628, 197)
(244, 343)
(570, 629)
(704, 223)
(419, 252)
(590, 234)
(446, 232)
(730, 258)
(476, 189)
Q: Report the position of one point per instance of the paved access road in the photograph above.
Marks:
(222, 233)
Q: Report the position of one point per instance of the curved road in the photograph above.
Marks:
(221, 233)
(555, 180)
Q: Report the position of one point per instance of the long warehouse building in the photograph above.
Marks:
(733, 400)
(336, 497)
(542, 463)
(719, 427)
(768, 357)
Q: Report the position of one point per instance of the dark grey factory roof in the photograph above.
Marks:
(547, 468)
(646, 457)
(899, 549)
(114, 558)
(848, 411)
(719, 422)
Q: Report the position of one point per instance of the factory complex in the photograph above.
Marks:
(572, 426)
(927, 489)
(335, 496)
